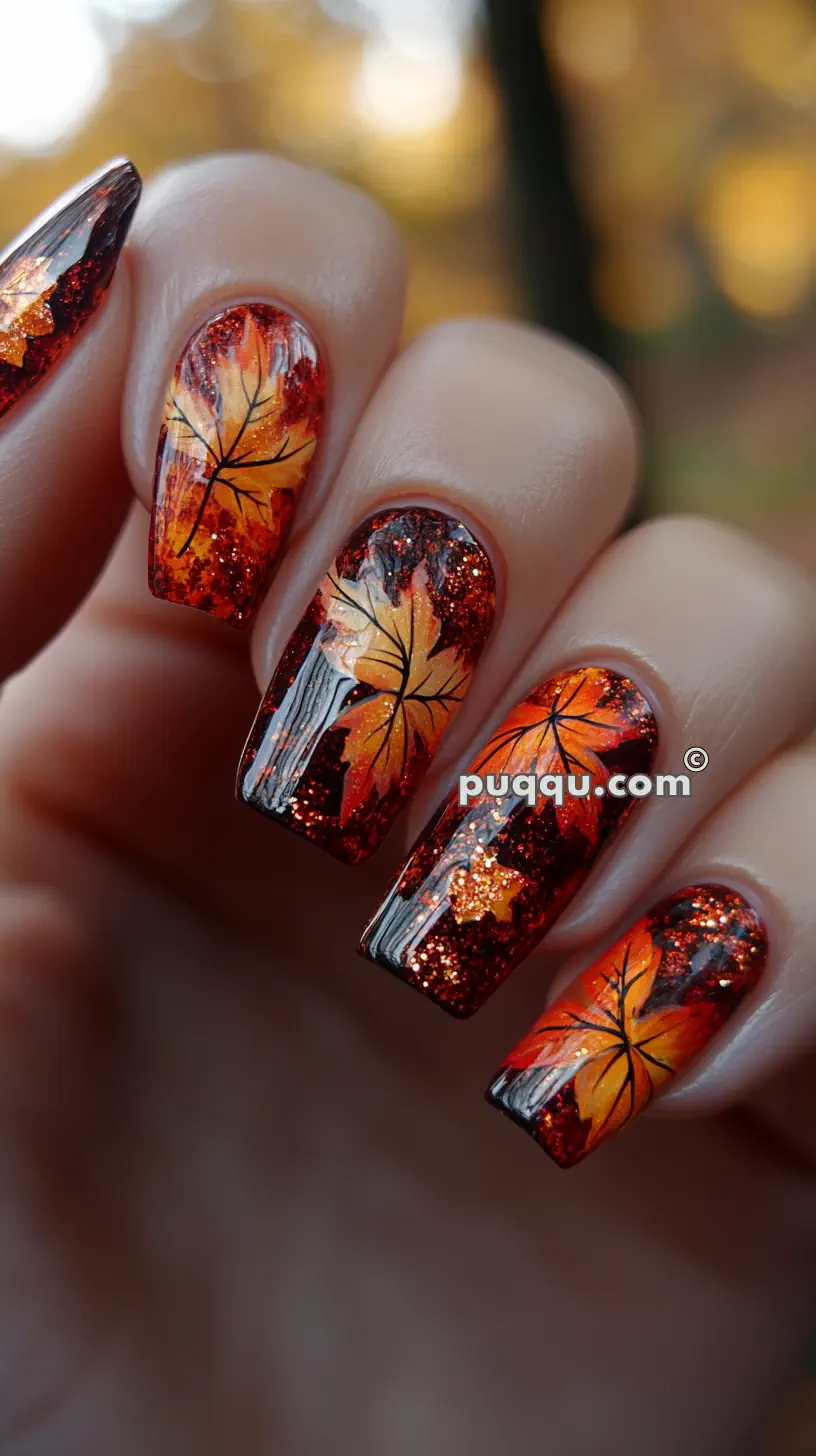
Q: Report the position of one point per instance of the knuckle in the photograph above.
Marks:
(781, 794)
(530, 370)
(259, 187)
(720, 564)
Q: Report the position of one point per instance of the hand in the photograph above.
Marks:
(251, 1197)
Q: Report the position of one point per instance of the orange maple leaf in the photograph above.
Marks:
(391, 648)
(24, 311)
(599, 1039)
(232, 443)
(560, 730)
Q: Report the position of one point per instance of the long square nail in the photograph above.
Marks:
(371, 679)
(632, 1020)
(489, 878)
(54, 277)
(242, 419)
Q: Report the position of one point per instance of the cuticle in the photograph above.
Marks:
(417, 499)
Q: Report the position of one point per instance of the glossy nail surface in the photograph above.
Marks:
(632, 1020)
(242, 419)
(371, 679)
(53, 279)
(486, 881)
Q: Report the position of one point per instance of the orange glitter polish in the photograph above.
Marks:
(487, 880)
(53, 279)
(242, 419)
(370, 681)
(632, 1020)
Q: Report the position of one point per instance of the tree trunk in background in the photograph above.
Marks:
(553, 247)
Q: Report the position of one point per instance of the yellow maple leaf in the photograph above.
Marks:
(229, 438)
(390, 647)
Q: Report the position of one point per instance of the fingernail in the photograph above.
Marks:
(370, 681)
(486, 881)
(242, 420)
(632, 1020)
(54, 278)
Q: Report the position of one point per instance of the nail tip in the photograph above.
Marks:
(494, 1098)
(165, 593)
(339, 854)
(128, 170)
(122, 177)
(126, 192)
(124, 184)
(429, 995)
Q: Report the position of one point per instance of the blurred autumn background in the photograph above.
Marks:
(639, 174)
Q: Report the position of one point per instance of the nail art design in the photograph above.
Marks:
(54, 278)
(371, 679)
(486, 881)
(242, 419)
(632, 1020)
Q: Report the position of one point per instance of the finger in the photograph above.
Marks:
(269, 300)
(63, 489)
(717, 629)
(684, 633)
(491, 453)
(728, 935)
(117, 678)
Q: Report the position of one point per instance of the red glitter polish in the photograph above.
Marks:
(632, 1020)
(54, 278)
(370, 680)
(487, 880)
(242, 420)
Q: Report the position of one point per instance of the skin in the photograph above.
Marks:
(250, 1196)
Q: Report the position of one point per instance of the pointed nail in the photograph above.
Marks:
(632, 1020)
(370, 681)
(54, 277)
(487, 881)
(242, 419)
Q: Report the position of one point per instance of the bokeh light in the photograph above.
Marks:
(595, 41)
(403, 92)
(758, 220)
(644, 282)
(59, 75)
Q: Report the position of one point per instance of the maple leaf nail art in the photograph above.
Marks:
(242, 419)
(53, 279)
(488, 879)
(632, 1020)
(371, 680)
(392, 647)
